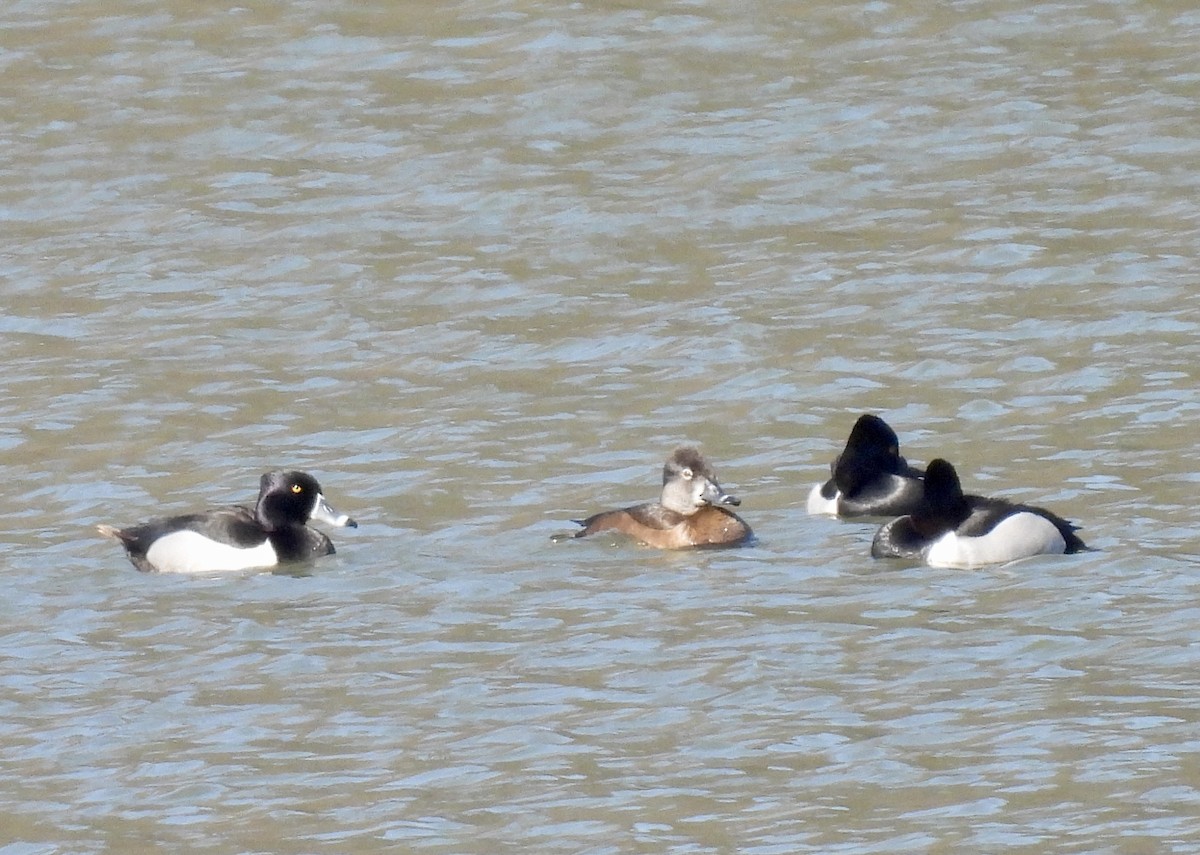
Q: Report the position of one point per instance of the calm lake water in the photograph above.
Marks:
(480, 266)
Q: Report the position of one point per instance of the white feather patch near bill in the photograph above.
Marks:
(818, 504)
(191, 552)
(1018, 536)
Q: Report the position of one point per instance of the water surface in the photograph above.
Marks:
(480, 267)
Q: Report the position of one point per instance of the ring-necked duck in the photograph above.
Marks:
(870, 478)
(236, 537)
(688, 513)
(953, 530)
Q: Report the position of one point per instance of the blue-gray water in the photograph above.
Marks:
(479, 267)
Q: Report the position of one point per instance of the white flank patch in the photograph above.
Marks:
(818, 504)
(1018, 536)
(191, 552)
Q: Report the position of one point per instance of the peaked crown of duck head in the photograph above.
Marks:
(286, 498)
(944, 502)
(689, 483)
(871, 430)
(872, 449)
(687, 459)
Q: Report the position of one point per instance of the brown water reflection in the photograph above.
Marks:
(479, 267)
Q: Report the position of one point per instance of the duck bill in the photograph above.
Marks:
(714, 495)
(324, 512)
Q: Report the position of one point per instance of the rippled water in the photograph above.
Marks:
(479, 267)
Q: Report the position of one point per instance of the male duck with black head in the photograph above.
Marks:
(950, 529)
(692, 510)
(234, 538)
(870, 478)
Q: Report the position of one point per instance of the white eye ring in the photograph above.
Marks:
(687, 473)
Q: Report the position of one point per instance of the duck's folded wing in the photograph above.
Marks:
(235, 523)
(654, 515)
(651, 515)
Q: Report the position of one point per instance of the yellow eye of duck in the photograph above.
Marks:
(296, 488)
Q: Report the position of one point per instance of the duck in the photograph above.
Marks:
(951, 529)
(870, 478)
(692, 510)
(275, 531)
